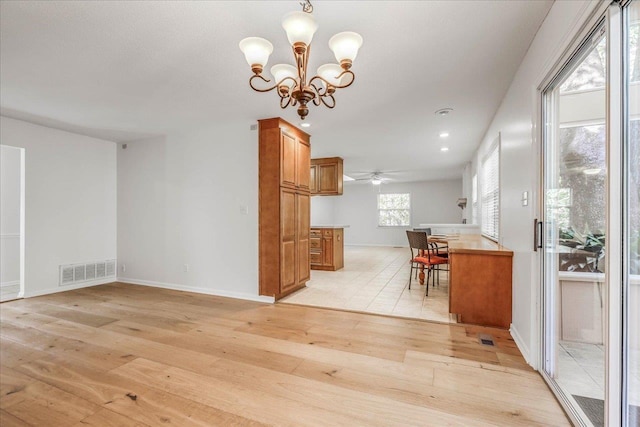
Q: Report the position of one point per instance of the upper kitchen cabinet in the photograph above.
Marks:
(289, 149)
(326, 176)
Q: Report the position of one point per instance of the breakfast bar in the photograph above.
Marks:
(479, 281)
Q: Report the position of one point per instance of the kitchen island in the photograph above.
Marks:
(326, 244)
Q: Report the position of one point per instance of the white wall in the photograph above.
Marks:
(10, 176)
(323, 210)
(70, 200)
(431, 202)
(180, 201)
(517, 121)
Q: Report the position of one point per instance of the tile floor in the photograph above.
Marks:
(375, 280)
(581, 369)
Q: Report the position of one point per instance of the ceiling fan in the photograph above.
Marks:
(376, 178)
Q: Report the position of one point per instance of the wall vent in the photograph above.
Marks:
(86, 272)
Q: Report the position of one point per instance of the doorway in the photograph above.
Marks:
(11, 223)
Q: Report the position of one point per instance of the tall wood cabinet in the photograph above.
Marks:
(284, 204)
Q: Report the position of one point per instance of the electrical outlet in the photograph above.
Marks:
(244, 209)
(123, 267)
(185, 268)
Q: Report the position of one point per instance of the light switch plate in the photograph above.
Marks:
(525, 198)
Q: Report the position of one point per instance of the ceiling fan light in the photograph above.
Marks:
(330, 73)
(345, 45)
(282, 71)
(256, 50)
(376, 181)
(300, 27)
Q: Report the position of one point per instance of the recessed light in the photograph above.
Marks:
(305, 125)
(444, 134)
(594, 171)
(443, 111)
(443, 149)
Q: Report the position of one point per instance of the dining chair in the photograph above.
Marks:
(423, 256)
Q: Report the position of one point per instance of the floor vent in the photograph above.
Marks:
(485, 339)
(78, 273)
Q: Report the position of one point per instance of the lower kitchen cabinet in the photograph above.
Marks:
(326, 248)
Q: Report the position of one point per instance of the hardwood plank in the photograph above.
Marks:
(41, 404)
(71, 315)
(8, 420)
(108, 357)
(107, 418)
(127, 397)
(13, 353)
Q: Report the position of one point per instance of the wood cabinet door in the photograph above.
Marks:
(303, 153)
(327, 251)
(287, 239)
(313, 179)
(327, 178)
(288, 160)
(303, 205)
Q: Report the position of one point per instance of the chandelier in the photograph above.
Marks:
(291, 82)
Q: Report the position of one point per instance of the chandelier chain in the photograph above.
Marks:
(306, 6)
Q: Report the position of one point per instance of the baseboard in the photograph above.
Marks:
(197, 290)
(524, 349)
(69, 287)
(9, 290)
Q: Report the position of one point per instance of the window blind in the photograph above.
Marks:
(474, 199)
(490, 187)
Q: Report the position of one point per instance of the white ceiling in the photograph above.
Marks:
(127, 70)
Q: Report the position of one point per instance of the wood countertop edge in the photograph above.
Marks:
(498, 252)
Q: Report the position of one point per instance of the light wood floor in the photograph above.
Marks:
(126, 355)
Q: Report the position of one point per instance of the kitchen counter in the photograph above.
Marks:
(452, 228)
(330, 226)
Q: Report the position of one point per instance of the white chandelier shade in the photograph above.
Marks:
(285, 73)
(332, 73)
(345, 45)
(300, 27)
(256, 50)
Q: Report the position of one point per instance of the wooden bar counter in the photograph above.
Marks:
(480, 281)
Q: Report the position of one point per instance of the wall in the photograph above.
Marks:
(188, 211)
(431, 202)
(70, 201)
(517, 121)
(10, 176)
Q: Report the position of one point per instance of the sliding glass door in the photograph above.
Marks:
(575, 214)
(590, 234)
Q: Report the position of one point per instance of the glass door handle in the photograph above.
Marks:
(537, 235)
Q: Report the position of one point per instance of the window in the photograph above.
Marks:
(474, 199)
(394, 210)
(490, 186)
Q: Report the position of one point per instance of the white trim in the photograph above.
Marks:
(198, 290)
(11, 283)
(613, 249)
(57, 289)
(520, 343)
